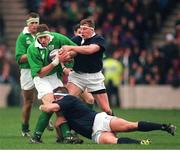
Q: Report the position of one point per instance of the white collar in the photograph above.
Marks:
(93, 34)
(26, 31)
(38, 45)
(83, 40)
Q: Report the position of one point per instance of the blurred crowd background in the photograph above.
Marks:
(128, 27)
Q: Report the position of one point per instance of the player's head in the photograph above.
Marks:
(87, 27)
(43, 34)
(32, 22)
(59, 92)
(76, 29)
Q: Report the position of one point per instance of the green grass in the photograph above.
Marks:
(10, 136)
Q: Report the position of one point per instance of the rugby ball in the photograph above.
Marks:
(52, 54)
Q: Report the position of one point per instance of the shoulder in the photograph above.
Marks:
(55, 34)
(21, 35)
(99, 40)
(99, 37)
(77, 39)
(32, 48)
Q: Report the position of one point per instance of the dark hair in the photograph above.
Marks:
(60, 90)
(42, 28)
(76, 27)
(89, 21)
(33, 15)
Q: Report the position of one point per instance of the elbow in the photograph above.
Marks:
(40, 75)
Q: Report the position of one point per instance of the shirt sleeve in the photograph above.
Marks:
(65, 40)
(77, 40)
(20, 47)
(99, 40)
(34, 60)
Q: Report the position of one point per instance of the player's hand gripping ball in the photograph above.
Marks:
(52, 54)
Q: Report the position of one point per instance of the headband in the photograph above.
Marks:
(30, 20)
(60, 94)
(41, 34)
(84, 26)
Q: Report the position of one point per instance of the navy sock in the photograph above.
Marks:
(126, 140)
(149, 126)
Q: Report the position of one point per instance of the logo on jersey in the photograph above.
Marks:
(28, 41)
(50, 47)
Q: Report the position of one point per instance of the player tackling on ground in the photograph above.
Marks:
(100, 127)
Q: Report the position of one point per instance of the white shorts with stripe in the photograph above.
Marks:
(46, 84)
(101, 124)
(91, 81)
(26, 80)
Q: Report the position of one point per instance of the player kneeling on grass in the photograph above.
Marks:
(100, 127)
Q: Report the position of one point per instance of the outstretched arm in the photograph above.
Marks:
(85, 49)
(51, 107)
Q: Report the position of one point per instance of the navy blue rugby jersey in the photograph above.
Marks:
(90, 63)
(79, 117)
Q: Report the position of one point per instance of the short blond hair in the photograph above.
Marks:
(89, 21)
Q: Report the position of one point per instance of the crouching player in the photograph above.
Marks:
(100, 127)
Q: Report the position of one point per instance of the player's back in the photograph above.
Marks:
(80, 118)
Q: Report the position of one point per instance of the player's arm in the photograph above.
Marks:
(52, 107)
(23, 58)
(85, 49)
(46, 69)
(36, 63)
(21, 50)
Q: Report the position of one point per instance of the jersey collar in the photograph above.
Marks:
(26, 31)
(83, 40)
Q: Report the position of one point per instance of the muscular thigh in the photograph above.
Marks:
(73, 89)
(48, 98)
(87, 97)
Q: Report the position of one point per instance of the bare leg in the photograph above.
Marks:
(59, 120)
(87, 97)
(103, 102)
(108, 138)
(48, 98)
(73, 89)
(28, 99)
(121, 125)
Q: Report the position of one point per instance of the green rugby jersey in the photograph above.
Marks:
(22, 43)
(38, 56)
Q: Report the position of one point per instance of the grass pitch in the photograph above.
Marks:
(10, 134)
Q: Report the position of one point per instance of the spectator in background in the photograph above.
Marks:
(7, 75)
(169, 51)
(113, 69)
(32, 5)
(5, 66)
(1, 28)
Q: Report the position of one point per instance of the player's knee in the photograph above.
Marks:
(107, 138)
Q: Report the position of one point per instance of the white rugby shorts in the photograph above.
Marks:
(101, 124)
(46, 84)
(91, 81)
(26, 80)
